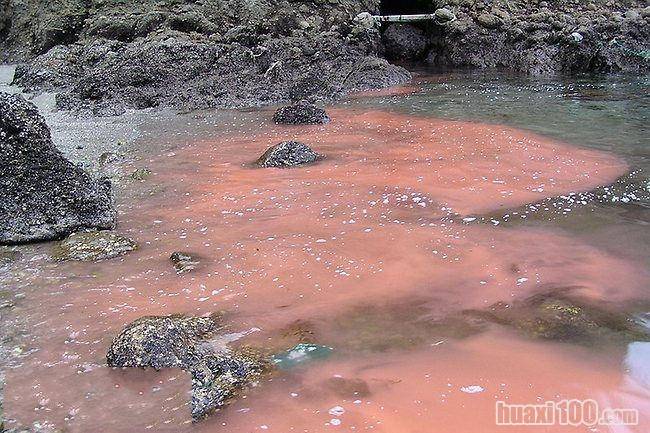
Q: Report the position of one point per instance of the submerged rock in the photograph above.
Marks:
(92, 246)
(9, 256)
(300, 113)
(43, 196)
(348, 388)
(560, 317)
(184, 342)
(287, 154)
(184, 262)
(398, 326)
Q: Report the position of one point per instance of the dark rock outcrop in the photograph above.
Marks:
(218, 376)
(287, 154)
(539, 38)
(300, 113)
(92, 246)
(217, 53)
(43, 195)
(405, 42)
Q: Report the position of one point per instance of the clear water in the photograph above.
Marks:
(366, 252)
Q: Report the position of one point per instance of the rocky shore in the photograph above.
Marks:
(108, 55)
(105, 56)
(535, 37)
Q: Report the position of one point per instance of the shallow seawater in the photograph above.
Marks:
(375, 252)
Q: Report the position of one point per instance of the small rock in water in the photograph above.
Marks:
(92, 246)
(8, 256)
(300, 113)
(287, 154)
(141, 174)
(184, 342)
(301, 353)
(184, 262)
(160, 341)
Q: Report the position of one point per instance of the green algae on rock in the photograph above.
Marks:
(141, 174)
(92, 246)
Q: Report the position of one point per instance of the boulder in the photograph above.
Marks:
(300, 113)
(404, 42)
(218, 376)
(43, 196)
(287, 154)
(160, 342)
(92, 246)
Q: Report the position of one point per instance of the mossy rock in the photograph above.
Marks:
(141, 174)
(92, 246)
(560, 317)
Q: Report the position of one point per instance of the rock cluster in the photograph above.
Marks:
(43, 196)
(182, 342)
(107, 55)
(539, 38)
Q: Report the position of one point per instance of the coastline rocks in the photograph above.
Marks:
(287, 154)
(43, 196)
(184, 342)
(217, 53)
(300, 113)
(404, 42)
(92, 246)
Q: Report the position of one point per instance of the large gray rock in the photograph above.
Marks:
(43, 195)
(218, 374)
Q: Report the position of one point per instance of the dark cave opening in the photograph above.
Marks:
(403, 7)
